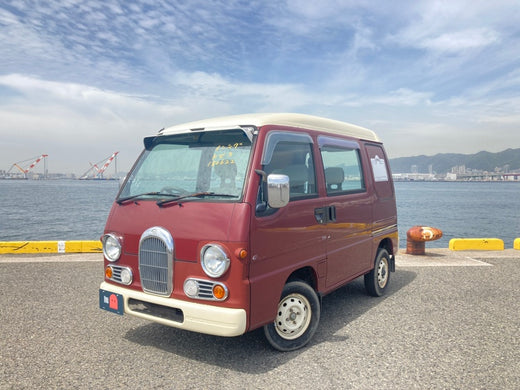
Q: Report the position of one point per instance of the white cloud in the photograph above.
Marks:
(104, 74)
(404, 97)
(453, 41)
(77, 121)
(452, 27)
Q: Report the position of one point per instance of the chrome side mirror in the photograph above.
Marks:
(277, 190)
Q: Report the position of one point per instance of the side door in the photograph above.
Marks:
(288, 238)
(349, 206)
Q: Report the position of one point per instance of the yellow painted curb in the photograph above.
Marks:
(50, 247)
(476, 244)
(516, 244)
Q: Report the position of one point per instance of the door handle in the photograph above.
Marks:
(321, 215)
(325, 215)
(332, 213)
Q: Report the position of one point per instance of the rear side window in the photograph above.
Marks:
(291, 154)
(380, 171)
(342, 165)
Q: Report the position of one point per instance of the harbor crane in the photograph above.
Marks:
(95, 172)
(25, 170)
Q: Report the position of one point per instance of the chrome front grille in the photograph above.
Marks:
(156, 261)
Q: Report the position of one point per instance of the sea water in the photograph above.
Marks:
(77, 209)
(460, 209)
(39, 210)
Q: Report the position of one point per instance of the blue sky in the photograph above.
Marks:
(82, 79)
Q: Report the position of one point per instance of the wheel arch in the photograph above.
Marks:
(388, 245)
(305, 274)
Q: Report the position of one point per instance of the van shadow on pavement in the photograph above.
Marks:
(250, 352)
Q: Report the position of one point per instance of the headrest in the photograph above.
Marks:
(334, 175)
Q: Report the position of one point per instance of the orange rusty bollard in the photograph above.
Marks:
(417, 236)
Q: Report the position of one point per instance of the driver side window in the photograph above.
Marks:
(291, 154)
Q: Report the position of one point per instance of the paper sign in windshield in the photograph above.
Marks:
(224, 154)
(379, 169)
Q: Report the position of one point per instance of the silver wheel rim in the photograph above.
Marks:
(382, 273)
(294, 316)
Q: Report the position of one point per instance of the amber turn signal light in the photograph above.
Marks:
(241, 253)
(218, 291)
(108, 272)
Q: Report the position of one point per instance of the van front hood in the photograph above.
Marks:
(191, 224)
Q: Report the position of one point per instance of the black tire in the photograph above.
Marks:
(377, 280)
(297, 317)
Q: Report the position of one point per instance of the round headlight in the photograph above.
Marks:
(214, 260)
(111, 247)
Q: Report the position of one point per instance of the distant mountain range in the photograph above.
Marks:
(443, 162)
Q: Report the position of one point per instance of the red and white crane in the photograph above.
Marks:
(95, 172)
(35, 160)
(107, 163)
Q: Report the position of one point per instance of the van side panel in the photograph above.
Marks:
(287, 240)
(335, 251)
(347, 189)
(349, 244)
(282, 242)
(385, 210)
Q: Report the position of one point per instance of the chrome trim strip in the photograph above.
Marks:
(379, 231)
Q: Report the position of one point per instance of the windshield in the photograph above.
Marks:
(213, 162)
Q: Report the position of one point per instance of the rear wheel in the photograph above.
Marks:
(376, 281)
(297, 317)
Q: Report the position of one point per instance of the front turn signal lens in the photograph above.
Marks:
(241, 253)
(219, 292)
(108, 272)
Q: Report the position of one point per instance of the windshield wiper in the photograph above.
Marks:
(155, 193)
(195, 195)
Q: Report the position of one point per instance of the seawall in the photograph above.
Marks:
(32, 247)
(90, 246)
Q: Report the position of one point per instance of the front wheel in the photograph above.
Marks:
(297, 317)
(376, 281)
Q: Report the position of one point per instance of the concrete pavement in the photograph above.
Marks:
(449, 320)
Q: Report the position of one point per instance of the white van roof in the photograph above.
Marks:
(282, 119)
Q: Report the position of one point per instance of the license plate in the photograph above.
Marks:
(111, 302)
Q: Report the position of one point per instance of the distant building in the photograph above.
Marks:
(451, 176)
(459, 169)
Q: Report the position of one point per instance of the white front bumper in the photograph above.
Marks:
(198, 317)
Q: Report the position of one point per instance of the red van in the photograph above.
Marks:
(231, 224)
